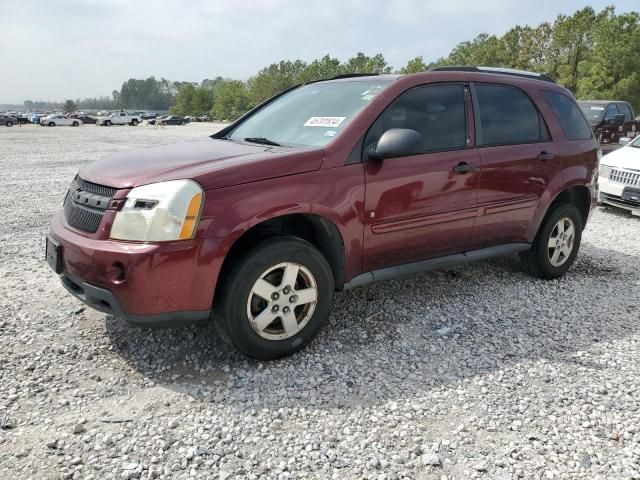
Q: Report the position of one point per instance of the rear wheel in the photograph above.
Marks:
(9, 124)
(51, 124)
(75, 124)
(275, 299)
(134, 123)
(557, 243)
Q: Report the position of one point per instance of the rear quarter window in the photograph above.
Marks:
(569, 116)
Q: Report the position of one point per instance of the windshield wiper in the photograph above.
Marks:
(262, 141)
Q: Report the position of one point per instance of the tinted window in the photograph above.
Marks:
(569, 116)
(507, 116)
(624, 108)
(436, 112)
(611, 111)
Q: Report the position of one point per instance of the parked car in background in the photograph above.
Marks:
(610, 120)
(119, 118)
(329, 186)
(175, 120)
(170, 120)
(8, 120)
(149, 115)
(619, 176)
(85, 118)
(57, 120)
(152, 121)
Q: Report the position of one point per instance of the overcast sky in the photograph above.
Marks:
(54, 50)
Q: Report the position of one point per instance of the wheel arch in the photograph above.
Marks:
(577, 194)
(318, 230)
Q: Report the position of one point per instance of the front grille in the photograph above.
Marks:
(85, 204)
(624, 177)
(95, 188)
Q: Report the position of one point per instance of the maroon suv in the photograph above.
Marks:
(328, 186)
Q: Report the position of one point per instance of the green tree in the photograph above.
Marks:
(612, 70)
(69, 106)
(414, 65)
(231, 100)
(322, 68)
(184, 100)
(275, 78)
(362, 63)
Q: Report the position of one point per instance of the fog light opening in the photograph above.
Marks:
(117, 273)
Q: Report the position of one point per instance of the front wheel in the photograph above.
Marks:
(556, 245)
(51, 124)
(75, 124)
(9, 124)
(275, 299)
(107, 123)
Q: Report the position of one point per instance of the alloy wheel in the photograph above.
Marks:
(282, 301)
(561, 241)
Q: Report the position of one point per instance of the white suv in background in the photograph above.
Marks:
(620, 177)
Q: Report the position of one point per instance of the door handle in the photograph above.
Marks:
(544, 156)
(464, 167)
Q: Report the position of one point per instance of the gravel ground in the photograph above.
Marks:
(475, 372)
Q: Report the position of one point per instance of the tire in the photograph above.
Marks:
(75, 124)
(9, 124)
(134, 123)
(107, 123)
(539, 260)
(238, 301)
(51, 124)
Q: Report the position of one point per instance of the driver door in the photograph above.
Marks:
(422, 206)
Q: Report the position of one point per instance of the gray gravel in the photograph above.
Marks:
(475, 372)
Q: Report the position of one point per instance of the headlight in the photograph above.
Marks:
(604, 170)
(160, 212)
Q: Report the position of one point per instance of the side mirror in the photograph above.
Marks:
(396, 142)
(624, 140)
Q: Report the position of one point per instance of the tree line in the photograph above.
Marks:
(593, 54)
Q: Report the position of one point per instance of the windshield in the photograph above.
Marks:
(636, 142)
(592, 111)
(311, 115)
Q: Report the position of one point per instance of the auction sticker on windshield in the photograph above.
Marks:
(324, 121)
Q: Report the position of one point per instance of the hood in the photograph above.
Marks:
(212, 163)
(626, 157)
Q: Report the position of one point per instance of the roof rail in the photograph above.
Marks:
(502, 71)
(353, 75)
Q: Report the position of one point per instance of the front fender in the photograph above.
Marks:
(334, 194)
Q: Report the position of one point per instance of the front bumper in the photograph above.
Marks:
(105, 301)
(153, 284)
(616, 194)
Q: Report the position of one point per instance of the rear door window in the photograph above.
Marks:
(569, 116)
(624, 108)
(505, 116)
(611, 111)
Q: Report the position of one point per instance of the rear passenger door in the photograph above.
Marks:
(517, 162)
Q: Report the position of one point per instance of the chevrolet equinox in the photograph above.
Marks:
(324, 187)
